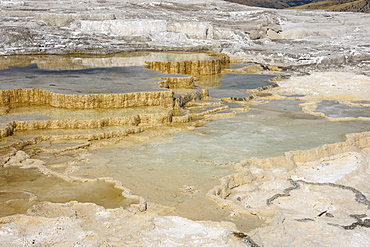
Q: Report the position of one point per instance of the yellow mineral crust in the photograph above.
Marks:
(20, 159)
(197, 67)
(87, 101)
(178, 82)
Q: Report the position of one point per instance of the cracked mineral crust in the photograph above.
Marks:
(315, 197)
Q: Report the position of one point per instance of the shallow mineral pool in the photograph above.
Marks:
(86, 81)
(174, 170)
(159, 171)
(334, 109)
(84, 74)
(30, 187)
(179, 170)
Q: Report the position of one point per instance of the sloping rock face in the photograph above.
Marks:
(254, 34)
(312, 192)
(86, 101)
(336, 5)
(353, 6)
(200, 67)
(301, 194)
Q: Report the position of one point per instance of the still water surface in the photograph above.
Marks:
(175, 170)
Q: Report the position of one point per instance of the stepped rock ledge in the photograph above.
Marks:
(315, 197)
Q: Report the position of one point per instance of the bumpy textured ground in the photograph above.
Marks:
(318, 197)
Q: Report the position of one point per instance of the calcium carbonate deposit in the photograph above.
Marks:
(183, 123)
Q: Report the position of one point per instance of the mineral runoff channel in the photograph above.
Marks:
(116, 131)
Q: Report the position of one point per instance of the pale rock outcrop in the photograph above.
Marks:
(124, 27)
(312, 197)
(88, 224)
(308, 191)
(275, 37)
(193, 30)
(79, 61)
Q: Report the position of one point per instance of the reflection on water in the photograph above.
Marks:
(335, 109)
(175, 170)
(232, 84)
(87, 81)
(236, 85)
(81, 61)
(191, 157)
(87, 74)
(159, 171)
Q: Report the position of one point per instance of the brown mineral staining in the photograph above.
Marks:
(14, 179)
(199, 67)
(178, 82)
(86, 101)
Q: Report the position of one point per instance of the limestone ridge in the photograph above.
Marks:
(354, 143)
(265, 36)
(165, 99)
(157, 119)
(199, 67)
(300, 181)
(103, 101)
(86, 101)
(193, 68)
(128, 26)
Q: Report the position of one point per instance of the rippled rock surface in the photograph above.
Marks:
(275, 37)
(143, 137)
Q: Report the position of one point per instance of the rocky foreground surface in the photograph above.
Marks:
(318, 197)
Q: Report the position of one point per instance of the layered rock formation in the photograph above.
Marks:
(259, 35)
(178, 82)
(322, 190)
(304, 190)
(86, 101)
(199, 67)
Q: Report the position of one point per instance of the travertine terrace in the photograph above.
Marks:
(159, 100)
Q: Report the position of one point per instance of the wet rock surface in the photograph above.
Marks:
(308, 189)
(87, 134)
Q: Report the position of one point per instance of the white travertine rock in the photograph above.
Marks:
(73, 224)
(329, 85)
(195, 30)
(124, 27)
(317, 197)
(321, 191)
(275, 37)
